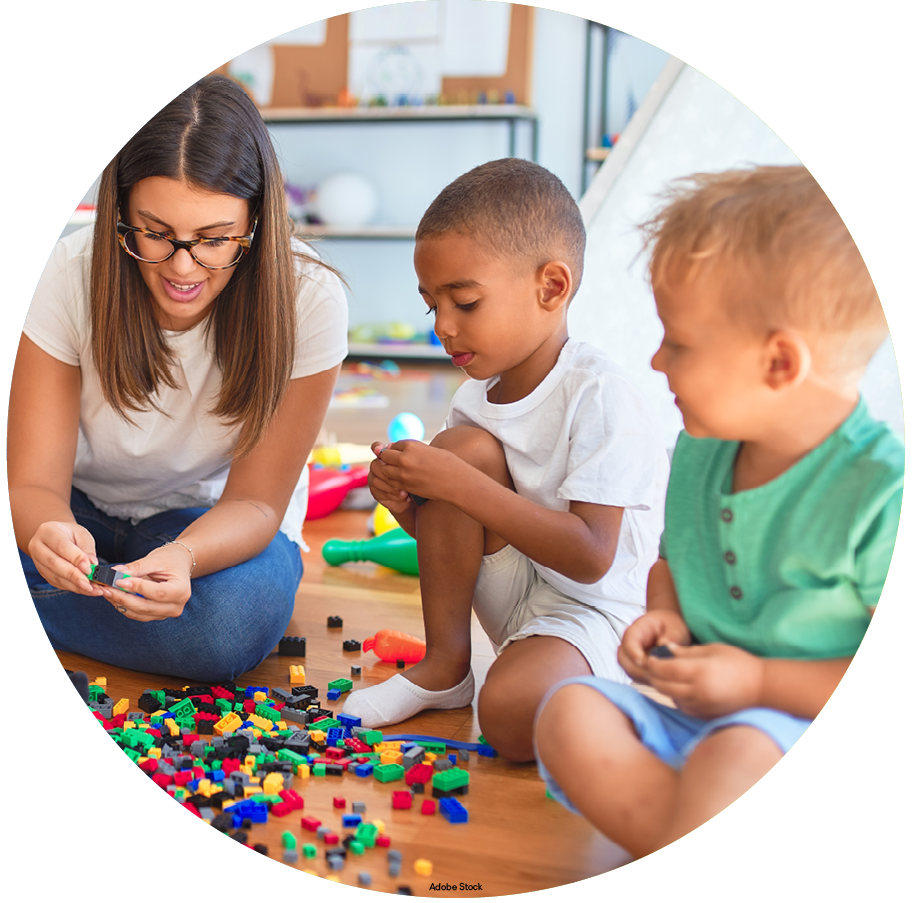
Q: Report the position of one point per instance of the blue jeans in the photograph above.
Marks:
(232, 621)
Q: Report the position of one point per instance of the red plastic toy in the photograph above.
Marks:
(393, 645)
(329, 486)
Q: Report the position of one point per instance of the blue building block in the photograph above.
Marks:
(248, 693)
(333, 694)
(488, 751)
(351, 820)
(348, 721)
(453, 811)
(452, 757)
(365, 770)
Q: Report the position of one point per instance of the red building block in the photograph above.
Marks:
(402, 799)
(428, 807)
(338, 802)
(419, 774)
(294, 800)
(309, 822)
(383, 840)
(331, 839)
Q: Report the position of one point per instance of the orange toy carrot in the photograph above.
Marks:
(393, 645)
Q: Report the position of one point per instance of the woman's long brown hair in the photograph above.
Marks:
(212, 137)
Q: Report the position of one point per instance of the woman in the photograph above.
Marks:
(176, 365)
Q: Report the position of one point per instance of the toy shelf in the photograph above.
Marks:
(312, 230)
(397, 350)
(509, 114)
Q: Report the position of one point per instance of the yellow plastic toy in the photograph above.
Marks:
(382, 520)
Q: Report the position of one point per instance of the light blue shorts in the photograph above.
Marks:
(670, 734)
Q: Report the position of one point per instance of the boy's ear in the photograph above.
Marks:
(556, 284)
(787, 359)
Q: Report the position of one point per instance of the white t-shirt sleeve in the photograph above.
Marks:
(322, 331)
(612, 458)
(57, 317)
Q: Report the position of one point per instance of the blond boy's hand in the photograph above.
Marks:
(708, 681)
(396, 501)
(655, 628)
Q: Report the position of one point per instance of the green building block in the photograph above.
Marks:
(366, 834)
(389, 772)
(356, 847)
(318, 769)
(324, 724)
(183, 708)
(431, 747)
(288, 840)
(342, 684)
(372, 737)
(451, 779)
(309, 850)
(289, 755)
(223, 705)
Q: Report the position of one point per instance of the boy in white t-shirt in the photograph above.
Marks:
(544, 494)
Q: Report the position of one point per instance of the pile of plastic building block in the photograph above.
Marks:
(234, 755)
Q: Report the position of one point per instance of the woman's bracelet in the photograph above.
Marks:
(177, 542)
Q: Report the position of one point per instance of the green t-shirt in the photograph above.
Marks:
(788, 569)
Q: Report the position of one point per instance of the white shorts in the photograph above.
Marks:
(513, 601)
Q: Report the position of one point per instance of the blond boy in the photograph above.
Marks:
(781, 513)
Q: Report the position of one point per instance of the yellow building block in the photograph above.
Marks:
(318, 736)
(273, 783)
(429, 758)
(100, 681)
(390, 757)
(384, 745)
(250, 762)
(259, 696)
(121, 706)
(296, 674)
(264, 724)
(379, 825)
(204, 787)
(154, 753)
(172, 727)
(231, 722)
(303, 771)
(424, 867)
(333, 878)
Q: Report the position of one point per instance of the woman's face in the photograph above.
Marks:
(184, 290)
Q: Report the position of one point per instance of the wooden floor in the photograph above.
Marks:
(516, 839)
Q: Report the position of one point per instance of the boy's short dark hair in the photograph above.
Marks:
(518, 207)
(773, 239)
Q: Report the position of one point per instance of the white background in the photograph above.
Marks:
(830, 820)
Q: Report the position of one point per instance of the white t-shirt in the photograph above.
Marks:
(584, 434)
(181, 460)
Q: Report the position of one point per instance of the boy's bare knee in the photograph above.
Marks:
(505, 721)
(737, 745)
(476, 447)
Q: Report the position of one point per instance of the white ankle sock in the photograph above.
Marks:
(398, 698)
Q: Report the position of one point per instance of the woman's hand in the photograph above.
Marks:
(162, 579)
(655, 628)
(63, 553)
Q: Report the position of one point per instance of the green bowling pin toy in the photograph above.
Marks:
(393, 549)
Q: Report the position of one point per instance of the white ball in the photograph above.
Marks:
(346, 199)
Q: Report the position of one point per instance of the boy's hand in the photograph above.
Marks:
(411, 466)
(655, 628)
(708, 681)
(396, 501)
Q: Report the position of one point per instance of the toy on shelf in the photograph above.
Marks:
(393, 549)
(393, 645)
(328, 487)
